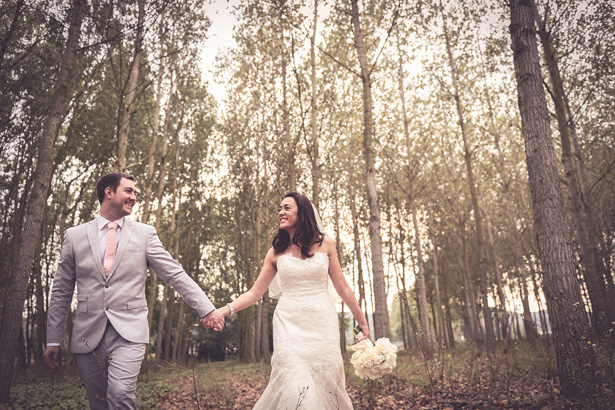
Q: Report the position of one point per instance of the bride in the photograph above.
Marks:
(306, 367)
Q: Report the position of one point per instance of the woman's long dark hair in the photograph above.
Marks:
(306, 232)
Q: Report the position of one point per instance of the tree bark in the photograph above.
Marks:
(338, 247)
(571, 331)
(381, 313)
(601, 317)
(153, 285)
(314, 115)
(265, 347)
(34, 216)
(499, 288)
(443, 339)
(356, 239)
(151, 160)
(291, 176)
(127, 102)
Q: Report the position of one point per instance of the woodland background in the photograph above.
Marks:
(461, 155)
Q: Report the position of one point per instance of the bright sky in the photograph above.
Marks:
(220, 37)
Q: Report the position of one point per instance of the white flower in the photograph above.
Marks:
(374, 360)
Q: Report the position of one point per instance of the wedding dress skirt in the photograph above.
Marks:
(307, 371)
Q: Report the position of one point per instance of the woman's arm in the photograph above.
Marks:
(250, 297)
(342, 288)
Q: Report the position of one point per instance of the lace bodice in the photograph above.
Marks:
(302, 277)
(307, 371)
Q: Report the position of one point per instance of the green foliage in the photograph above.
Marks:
(71, 395)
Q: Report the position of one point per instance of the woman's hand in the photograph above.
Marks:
(365, 331)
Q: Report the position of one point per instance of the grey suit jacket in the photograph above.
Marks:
(120, 298)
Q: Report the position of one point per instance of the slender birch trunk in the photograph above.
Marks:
(164, 150)
(443, 339)
(127, 101)
(426, 338)
(314, 114)
(500, 287)
(338, 247)
(291, 181)
(381, 313)
(473, 329)
(356, 239)
(265, 347)
(482, 265)
(151, 161)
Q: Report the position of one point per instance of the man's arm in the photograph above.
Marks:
(61, 297)
(171, 272)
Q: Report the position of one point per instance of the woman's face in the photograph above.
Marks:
(287, 214)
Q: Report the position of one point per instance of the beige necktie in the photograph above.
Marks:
(111, 248)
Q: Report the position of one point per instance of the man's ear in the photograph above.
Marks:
(108, 192)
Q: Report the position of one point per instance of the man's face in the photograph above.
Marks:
(124, 198)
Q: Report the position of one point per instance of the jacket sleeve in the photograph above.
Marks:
(171, 272)
(62, 291)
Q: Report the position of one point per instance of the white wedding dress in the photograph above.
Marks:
(307, 371)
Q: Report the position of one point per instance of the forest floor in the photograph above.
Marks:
(523, 377)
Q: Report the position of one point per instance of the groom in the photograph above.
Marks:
(107, 258)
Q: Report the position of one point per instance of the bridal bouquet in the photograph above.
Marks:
(372, 361)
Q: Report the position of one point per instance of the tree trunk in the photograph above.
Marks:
(153, 285)
(601, 317)
(160, 327)
(180, 330)
(127, 101)
(13, 309)
(449, 319)
(291, 181)
(338, 247)
(356, 239)
(314, 115)
(426, 339)
(442, 340)
(482, 268)
(543, 319)
(169, 325)
(265, 347)
(381, 314)
(571, 332)
(151, 160)
(512, 218)
(473, 327)
(499, 287)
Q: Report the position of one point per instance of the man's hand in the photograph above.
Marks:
(214, 319)
(52, 356)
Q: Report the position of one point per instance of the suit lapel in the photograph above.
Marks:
(127, 229)
(92, 232)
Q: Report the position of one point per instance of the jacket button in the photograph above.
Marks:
(106, 285)
(107, 308)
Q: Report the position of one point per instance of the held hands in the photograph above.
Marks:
(214, 320)
(52, 356)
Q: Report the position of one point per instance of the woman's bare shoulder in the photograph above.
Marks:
(271, 257)
(327, 245)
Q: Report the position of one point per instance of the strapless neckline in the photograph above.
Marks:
(300, 259)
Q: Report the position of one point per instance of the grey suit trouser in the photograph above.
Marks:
(110, 372)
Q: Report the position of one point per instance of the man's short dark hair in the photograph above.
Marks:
(112, 181)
